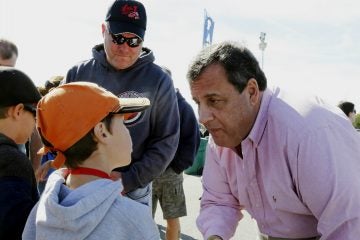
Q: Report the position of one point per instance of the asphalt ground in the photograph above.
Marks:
(247, 229)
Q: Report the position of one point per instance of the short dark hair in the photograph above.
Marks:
(7, 49)
(347, 107)
(3, 112)
(53, 82)
(239, 63)
(82, 149)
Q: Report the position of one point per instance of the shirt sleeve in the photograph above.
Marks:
(329, 181)
(220, 211)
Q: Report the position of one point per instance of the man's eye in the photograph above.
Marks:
(214, 101)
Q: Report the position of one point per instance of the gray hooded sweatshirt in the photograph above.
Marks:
(95, 210)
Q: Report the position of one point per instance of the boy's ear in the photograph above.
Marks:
(16, 111)
(103, 29)
(100, 132)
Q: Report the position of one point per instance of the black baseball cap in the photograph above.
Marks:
(16, 87)
(127, 16)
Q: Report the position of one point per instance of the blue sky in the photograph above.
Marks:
(313, 45)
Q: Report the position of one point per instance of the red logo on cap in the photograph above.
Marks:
(134, 118)
(130, 11)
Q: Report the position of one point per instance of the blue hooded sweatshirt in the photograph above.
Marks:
(95, 210)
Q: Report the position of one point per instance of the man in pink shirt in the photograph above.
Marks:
(292, 163)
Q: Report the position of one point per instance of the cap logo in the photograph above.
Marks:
(136, 117)
(130, 11)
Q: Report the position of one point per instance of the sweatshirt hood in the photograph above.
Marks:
(74, 214)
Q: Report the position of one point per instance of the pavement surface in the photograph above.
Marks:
(247, 229)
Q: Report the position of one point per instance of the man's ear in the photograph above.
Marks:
(253, 90)
(101, 133)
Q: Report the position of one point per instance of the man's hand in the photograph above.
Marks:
(214, 237)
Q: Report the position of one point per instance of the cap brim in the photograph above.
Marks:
(123, 27)
(130, 105)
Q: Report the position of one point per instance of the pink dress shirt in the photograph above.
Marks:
(299, 176)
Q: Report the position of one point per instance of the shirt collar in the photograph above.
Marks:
(258, 129)
(6, 140)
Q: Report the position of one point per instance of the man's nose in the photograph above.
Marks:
(205, 115)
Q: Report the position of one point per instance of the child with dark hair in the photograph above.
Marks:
(84, 124)
(18, 98)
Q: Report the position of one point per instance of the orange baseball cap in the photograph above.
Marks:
(70, 111)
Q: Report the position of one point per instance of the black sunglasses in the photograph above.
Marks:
(132, 42)
(30, 108)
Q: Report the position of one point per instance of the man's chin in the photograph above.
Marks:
(220, 141)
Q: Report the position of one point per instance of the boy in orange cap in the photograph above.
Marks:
(83, 124)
